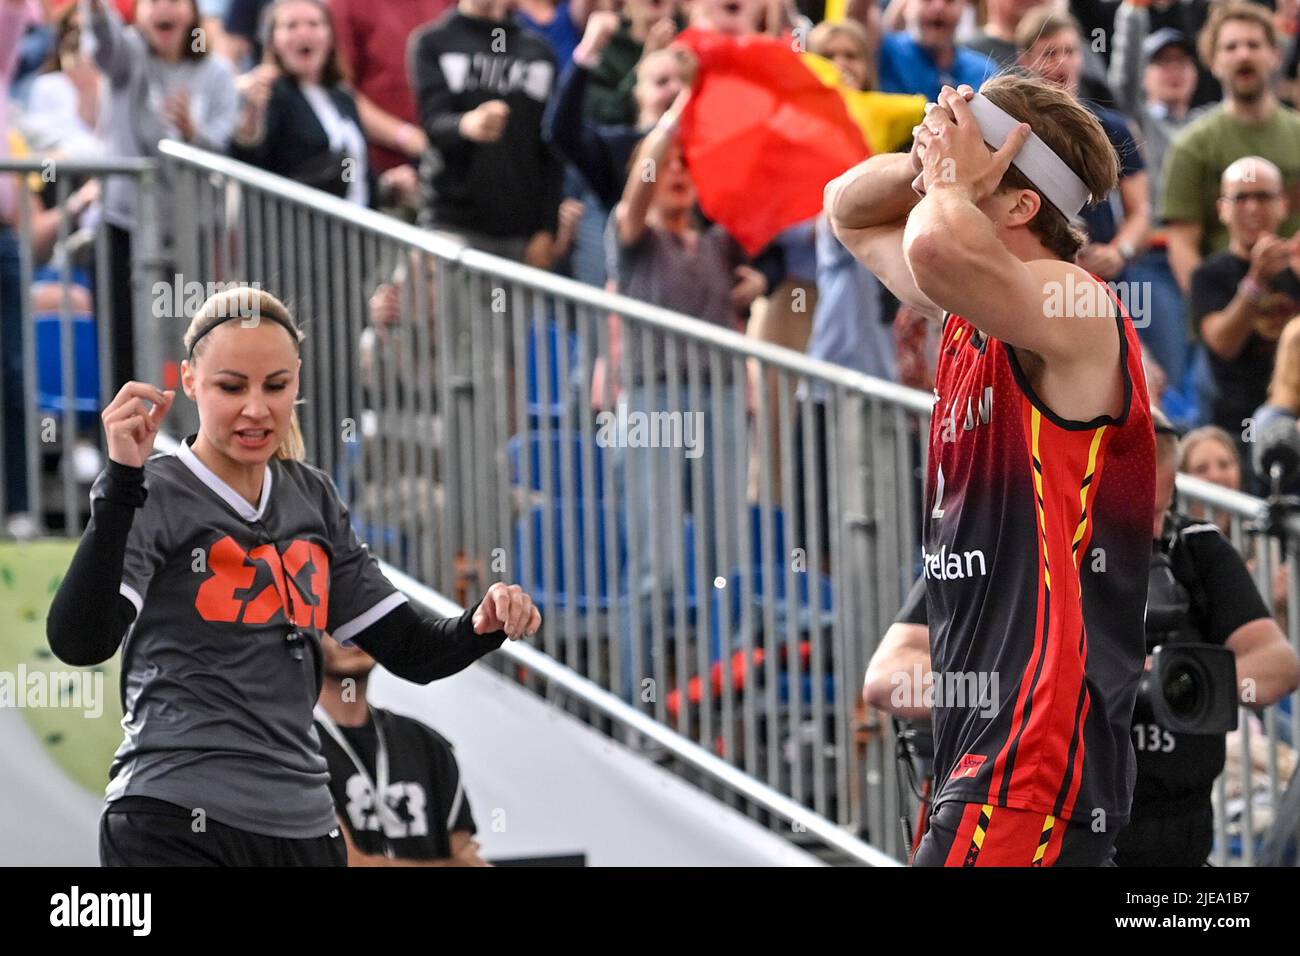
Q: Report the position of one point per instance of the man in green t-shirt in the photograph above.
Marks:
(1240, 43)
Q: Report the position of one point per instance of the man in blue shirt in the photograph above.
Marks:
(925, 58)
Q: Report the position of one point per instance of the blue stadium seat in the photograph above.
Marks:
(554, 402)
(49, 363)
(531, 470)
(546, 580)
(749, 586)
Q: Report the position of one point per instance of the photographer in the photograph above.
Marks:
(1200, 584)
(1212, 592)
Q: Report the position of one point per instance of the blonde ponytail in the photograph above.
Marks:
(293, 448)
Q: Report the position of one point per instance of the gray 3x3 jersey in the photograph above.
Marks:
(218, 712)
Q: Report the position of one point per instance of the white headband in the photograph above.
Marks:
(1048, 172)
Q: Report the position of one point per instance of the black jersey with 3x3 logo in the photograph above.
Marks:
(425, 801)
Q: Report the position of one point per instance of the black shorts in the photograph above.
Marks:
(141, 831)
(973, 834)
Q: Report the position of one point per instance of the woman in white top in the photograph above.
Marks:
(63, 106)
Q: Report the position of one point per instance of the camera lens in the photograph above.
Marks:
(1184, 689)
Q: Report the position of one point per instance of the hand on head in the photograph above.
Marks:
(952, 152)
(921, 134)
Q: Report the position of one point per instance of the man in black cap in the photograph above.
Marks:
(1154, 76)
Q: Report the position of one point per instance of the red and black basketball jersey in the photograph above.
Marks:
(1037, 538)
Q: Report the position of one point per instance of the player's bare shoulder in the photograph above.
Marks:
(1081, 376)
(1080, 309)
(1070, 291)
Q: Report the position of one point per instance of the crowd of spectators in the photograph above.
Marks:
(516, 125)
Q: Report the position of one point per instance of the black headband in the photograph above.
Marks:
(283, 323)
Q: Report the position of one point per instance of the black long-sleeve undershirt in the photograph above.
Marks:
(89, 616)
(421, 649)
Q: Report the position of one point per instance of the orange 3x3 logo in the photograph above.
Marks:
(234, 570)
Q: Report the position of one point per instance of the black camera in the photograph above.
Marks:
(1191, 687)
(915, 745)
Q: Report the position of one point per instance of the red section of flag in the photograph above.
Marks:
(762, 135)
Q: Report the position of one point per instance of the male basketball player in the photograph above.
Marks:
(1040, 481)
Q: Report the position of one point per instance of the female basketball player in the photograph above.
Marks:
(216, 570)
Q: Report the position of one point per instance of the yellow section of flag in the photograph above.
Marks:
(886, 119)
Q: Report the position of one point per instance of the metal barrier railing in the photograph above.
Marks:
(563, 680)
(719, 540)
(732, 589)
(59, 320)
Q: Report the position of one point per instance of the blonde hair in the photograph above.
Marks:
(1284, 386)
(1198, 436)
(827, 30)
(247, 301)
(1071, 131)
